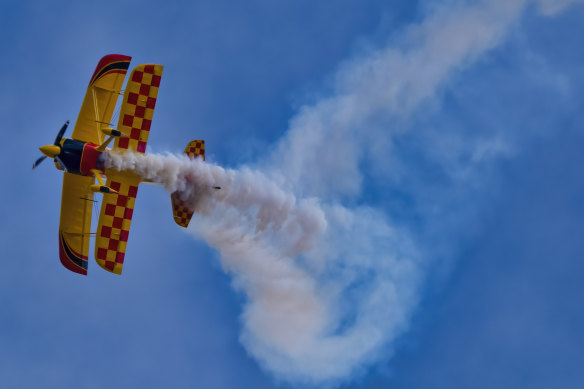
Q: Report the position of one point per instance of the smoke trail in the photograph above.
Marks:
(285, 254)
(332, 282)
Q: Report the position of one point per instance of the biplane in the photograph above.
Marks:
(82, 157)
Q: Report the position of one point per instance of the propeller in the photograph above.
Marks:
(56, 143)
(61, 133)
(38, 161)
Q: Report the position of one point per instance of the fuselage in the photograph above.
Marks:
(80, 157)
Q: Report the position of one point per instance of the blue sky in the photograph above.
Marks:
(440, 141)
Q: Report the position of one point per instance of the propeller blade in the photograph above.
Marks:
(61, 163)
(57, 143)
(38, 161)
(61, 133)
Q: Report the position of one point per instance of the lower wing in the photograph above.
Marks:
(75, 224)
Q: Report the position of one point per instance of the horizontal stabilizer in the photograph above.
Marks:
(181, 211)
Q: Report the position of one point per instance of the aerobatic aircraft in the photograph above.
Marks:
(81, 157)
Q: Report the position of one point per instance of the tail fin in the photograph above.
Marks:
(181, 212)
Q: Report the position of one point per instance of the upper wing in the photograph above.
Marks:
(76, 207)
(114, 220)
(138, 107)
(101, 98)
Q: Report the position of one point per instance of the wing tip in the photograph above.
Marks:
(118, 63)
(70, 259)
(110, 266)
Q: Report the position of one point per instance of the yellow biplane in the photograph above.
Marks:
(81, 157)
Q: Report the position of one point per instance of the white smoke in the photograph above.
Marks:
(331, 285)
(286, 254)
(553, 7)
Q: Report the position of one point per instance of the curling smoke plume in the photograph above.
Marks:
(332, 282)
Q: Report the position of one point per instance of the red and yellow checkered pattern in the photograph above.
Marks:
(138, 107)
(182, 213)
(117, 209)
(196, 149)
(114, 220)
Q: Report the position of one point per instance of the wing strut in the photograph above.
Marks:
(101, 187)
